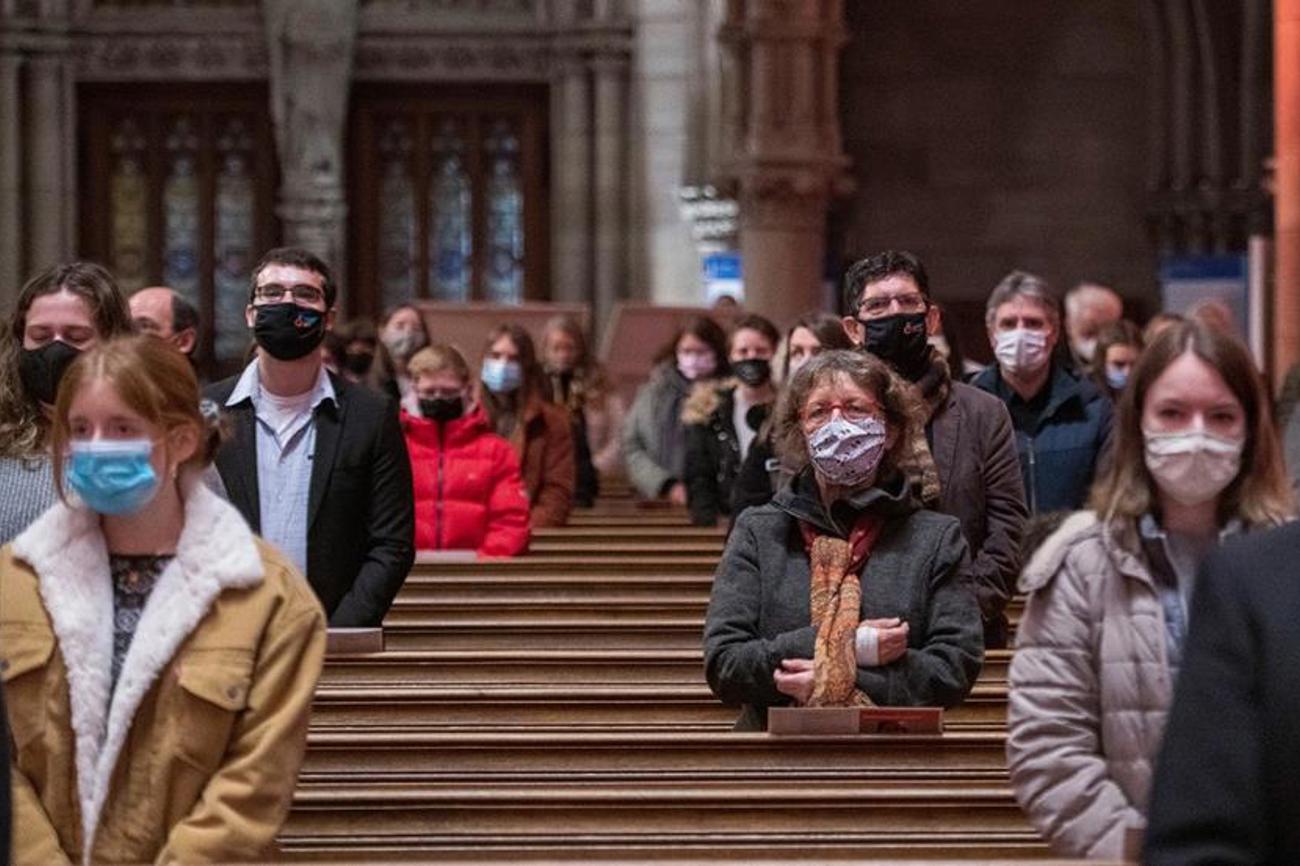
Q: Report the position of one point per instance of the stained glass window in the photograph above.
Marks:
(181, 211)
(233, 247)
(476, 163)
(398, 233)
(451, 234)
(180, 192)
(505, 215)
(128, 205)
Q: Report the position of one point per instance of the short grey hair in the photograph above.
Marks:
(1020, 284)
(1090, 293)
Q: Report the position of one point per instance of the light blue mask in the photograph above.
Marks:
(1117, 379)
(501, 377)
(112, 476)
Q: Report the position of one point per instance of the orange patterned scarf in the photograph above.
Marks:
(836, 600)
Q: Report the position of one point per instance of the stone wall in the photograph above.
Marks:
(1001, 134)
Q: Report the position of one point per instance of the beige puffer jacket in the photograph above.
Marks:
(1090, 688)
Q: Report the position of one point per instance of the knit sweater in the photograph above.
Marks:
(26, 492)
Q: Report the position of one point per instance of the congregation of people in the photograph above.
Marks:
(175, 551)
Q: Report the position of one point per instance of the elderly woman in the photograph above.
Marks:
(843, 591)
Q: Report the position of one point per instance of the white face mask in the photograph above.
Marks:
(1086, 349)
(1192, 466)
(845, 453)
(1021, 350)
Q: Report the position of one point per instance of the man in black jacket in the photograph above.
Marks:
(1227, 785)
(318, 467)
(976, 474)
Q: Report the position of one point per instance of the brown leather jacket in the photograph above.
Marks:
(544, 442)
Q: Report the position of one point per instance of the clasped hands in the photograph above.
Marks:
(795, 676)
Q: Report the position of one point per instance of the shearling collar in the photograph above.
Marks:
(66, 549)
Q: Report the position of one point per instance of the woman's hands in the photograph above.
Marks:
(795, 678)
(890, 641)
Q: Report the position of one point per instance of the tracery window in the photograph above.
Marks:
(447, 195)
(178, 190)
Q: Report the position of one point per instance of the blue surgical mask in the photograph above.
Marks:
(500, 376)
(1117, 379)
(112, 476)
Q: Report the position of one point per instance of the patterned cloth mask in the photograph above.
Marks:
(847, 453)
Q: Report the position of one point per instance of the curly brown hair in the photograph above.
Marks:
(903, 413)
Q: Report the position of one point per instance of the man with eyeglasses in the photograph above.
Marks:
(1062, 421)
(969, 453)
(317, 466)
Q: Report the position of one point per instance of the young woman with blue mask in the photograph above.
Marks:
(511, 390)
(158, 659)
(843, 591)
(1118, 346)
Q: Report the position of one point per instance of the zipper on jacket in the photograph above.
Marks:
(437, 496)
(1033, 477)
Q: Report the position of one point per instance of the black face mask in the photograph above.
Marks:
(42, 369)
(753, 372)
(442, 408)
(901, 342)
(287, 331)
(358, 363)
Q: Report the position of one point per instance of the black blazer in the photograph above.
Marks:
(1227, 784)
(361, 521)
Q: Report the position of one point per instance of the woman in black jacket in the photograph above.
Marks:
(722, 419)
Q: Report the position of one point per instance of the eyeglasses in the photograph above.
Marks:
(300, 292)
(820, 413)
(879, 307)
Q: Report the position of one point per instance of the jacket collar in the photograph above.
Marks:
(66, 549)
(454, 432)
(802, 501)
(1064, 387)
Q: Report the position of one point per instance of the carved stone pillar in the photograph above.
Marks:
(789, 164)
(610, 145)
(310, 47)
(1286, 296)
(12, 257)
(571, 223)
(49, 134)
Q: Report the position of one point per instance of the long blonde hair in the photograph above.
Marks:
(1261, 493)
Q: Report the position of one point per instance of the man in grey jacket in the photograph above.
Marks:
(968, 431)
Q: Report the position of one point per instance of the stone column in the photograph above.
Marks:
(790, 162)
(1286, 96)
(571, 172)
(12, 258)
(610, 146)
(310, 46)
(47, 192)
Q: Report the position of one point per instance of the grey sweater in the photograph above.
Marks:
(759, 613)
(26, 492)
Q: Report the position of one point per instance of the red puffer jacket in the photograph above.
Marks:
(468, 491)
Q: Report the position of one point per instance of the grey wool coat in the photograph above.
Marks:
(759, 612)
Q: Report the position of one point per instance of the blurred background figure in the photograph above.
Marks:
(512, 390)
(1103, 634)
(722, 419)
(654, 440)
(357, 343)
(578, 382)
(401, 334)
(61, 312)
(468, 491)
(1089, 307)
(1118, 346)
(162, 312)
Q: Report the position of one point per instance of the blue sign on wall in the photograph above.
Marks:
(723, 276)
(1189, 282)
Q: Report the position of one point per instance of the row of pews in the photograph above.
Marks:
(553, 708)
